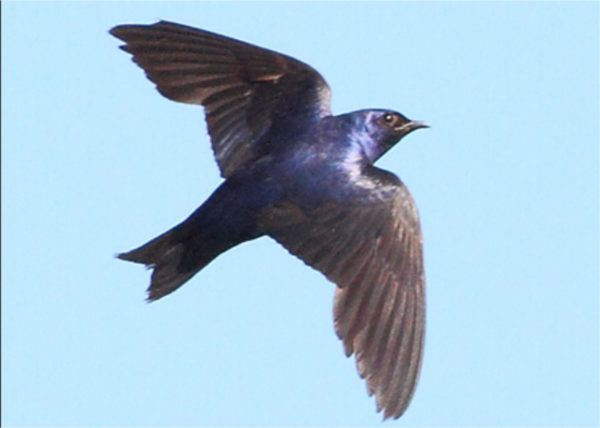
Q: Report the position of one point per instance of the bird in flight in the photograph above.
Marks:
(304, 177)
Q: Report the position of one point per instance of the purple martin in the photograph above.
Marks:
(304, 177)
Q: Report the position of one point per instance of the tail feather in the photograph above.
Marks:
(163, 254)
(181, 252)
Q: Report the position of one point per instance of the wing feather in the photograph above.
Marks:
(371, 248)
(251, 95)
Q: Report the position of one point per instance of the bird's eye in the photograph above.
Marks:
(388, 118)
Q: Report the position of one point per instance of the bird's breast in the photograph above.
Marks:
(310, 181)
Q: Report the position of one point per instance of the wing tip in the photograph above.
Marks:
(121, 31)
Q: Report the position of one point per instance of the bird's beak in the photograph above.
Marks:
(417, 124)
(411, 126)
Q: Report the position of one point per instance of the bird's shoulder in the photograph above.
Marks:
(315, 183)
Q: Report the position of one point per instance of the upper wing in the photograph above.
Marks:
(371, 248)
(247, 91)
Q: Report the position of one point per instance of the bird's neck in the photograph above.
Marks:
(360, 146)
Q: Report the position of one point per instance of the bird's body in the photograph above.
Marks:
(304, 177)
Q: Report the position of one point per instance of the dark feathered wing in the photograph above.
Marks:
(249, 93)
(372, 249)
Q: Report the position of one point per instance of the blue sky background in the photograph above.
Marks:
(95, 161)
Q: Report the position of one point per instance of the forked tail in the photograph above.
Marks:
(164, 255)
(174, 257)
(225, 220)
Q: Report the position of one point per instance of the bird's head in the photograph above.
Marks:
(380, 130)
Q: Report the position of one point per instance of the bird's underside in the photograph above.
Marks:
(368, 243)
